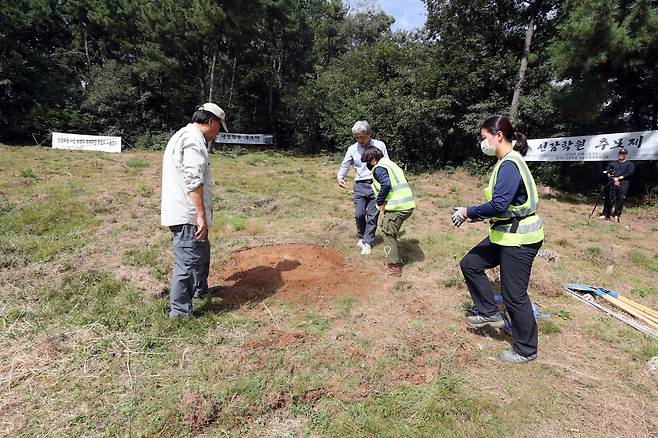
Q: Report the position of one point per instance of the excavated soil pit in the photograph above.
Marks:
(293, 272)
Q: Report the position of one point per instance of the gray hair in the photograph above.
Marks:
(361, 127)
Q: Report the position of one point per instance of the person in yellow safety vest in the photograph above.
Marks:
(394, 198)
(515, 236)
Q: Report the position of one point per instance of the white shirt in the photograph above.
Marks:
(185, 167)
(353, 158)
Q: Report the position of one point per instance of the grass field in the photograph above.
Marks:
(86, 348)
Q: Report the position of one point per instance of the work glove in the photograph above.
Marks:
(459, 216)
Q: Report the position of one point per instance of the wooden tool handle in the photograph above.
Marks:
(647, 310)
(631, 310)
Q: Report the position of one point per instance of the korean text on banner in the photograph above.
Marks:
(86, 142)
(228, 137)
(641, 145)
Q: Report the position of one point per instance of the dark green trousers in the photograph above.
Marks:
(391, 224)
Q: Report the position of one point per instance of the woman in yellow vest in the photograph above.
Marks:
(515, 235)
(394, 198)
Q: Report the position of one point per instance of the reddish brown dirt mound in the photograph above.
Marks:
(291, 271)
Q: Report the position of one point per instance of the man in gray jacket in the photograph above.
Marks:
(187, 205)
(366, 212)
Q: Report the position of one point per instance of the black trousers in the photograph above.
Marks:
(515, 265)
(614, 196)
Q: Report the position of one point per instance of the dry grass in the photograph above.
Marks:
(86, 349)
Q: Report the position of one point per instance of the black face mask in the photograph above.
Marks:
(369, 166)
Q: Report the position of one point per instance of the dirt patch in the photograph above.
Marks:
(277, 400)
(294, 272)
(142, 279)
(275, 339)
(311, 396)
(199, 413)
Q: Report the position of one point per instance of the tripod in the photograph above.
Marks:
(606, 187)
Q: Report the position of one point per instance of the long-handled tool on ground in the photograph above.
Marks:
(628, 309)
(581, 292)
(642, 312)
(637, 310)
(644, 309)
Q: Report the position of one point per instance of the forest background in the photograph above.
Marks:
(305, 70)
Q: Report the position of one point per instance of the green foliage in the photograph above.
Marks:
(409, 410)
(152, 140)
(548, 327)
(305, 70)
(33, 232)
(344, 306)
(148, 257)
(314, 324)
(645, 291)
(450, 282)
(641, 259)
(233, 223)
(593, 252)
(607, 51)
(137, 163)
(27, 173)
(478, 166)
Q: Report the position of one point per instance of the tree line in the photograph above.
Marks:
(305, 70)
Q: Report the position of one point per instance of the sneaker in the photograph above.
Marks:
(482, 321)
(366, 249)
(394, 269)
(618, 219)
(472, 311)
(511, 356)
(359, 244)
(602, 217)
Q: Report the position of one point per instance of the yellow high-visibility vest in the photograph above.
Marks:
(519, 225)
(400, 196)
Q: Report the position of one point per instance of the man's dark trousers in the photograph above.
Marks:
(191, 266)
(515, 265)
(365, 211)
(618, 194)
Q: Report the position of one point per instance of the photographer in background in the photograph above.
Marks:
(619, 173)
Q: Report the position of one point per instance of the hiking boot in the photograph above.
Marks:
(394, 269)
(482, 321)
(366, 249)
(511, 356)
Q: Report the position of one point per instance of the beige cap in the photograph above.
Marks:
(216, 110)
